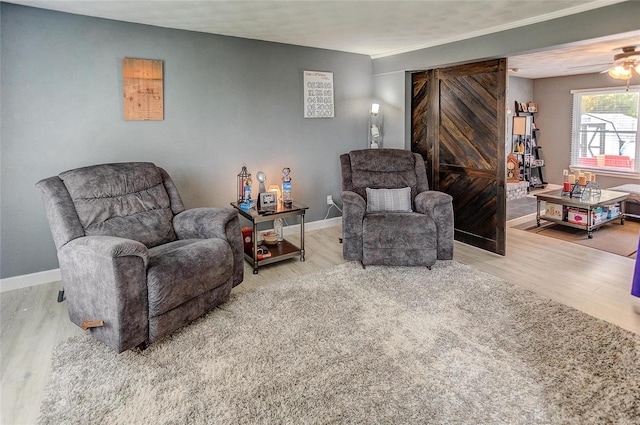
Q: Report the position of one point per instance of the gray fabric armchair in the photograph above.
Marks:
(131, 256)
(405, 224)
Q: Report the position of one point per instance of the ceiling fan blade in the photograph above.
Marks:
(592, 65)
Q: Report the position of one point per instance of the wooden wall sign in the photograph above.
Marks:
(143, 89)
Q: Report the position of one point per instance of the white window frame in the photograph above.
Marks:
(575, 133)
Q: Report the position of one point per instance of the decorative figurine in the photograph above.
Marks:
(261, 179)
(247, 190)
(287, 201)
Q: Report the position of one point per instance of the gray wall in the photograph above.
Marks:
(554, 120)
(392, 106)
(521, 90)
(228, 101)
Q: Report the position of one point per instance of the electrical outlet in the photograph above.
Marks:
(329, 200)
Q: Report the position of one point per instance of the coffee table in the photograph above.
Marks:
(606, 197)
(284, 249)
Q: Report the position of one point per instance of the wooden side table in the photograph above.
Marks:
(282, 250)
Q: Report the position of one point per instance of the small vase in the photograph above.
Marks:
(277, 226)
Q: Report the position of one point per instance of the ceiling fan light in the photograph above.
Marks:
(638, 68)
(620, 72)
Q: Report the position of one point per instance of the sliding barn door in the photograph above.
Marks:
(458, 126)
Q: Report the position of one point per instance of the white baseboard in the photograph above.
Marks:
(48, 276)
(26, 280)
(314, 225)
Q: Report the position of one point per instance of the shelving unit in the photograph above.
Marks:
(525, 145)
(537, 164)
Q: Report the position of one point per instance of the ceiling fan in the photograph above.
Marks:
(624, 63)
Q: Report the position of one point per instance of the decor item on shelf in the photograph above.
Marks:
(247, 190)
(279, 229)
(591, 191)
(571, 186)
(582, 180)
(261, 177)
(566, 186)
(269, 237)
(522, 107)
(275, 188)
(513, 174)
(247, 236)
(286, 187)
(243, 175)
(519, 126)
(263, 252)
(576, 190)
(267, 202)
(375, 126)
(247, 203)
(244, 189)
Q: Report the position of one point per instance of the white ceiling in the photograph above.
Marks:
(375, 28)
(588, 56)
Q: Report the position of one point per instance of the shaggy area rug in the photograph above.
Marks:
(613, 237)
(345, 345)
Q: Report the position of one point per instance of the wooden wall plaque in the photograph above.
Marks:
(142, 80)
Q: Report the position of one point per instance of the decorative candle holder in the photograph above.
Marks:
(243, 176)
(591, 191)
(576, 190)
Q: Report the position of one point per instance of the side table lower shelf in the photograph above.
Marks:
(280, 251)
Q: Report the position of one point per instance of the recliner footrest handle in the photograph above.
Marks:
(91, 324)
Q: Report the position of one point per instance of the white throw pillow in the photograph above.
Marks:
(396, 200)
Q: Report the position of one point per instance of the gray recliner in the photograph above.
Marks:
(405, 223)
(132, 257)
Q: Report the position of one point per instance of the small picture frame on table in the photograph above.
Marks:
(267, 199)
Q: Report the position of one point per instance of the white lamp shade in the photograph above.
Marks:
(620, 72)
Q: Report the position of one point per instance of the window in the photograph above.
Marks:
(604, 133)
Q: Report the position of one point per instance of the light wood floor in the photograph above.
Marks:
(593, 281)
